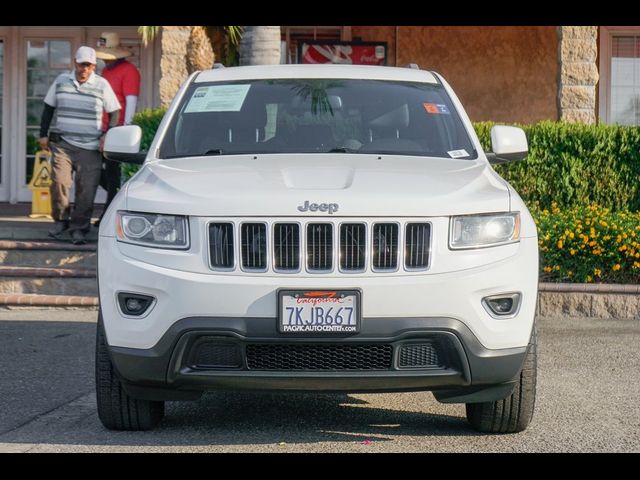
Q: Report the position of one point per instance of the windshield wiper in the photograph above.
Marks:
(342, 150)
(213, 151)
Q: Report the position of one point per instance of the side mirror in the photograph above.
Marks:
(508, 144)
(122, 144)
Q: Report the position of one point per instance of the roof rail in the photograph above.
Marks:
(415, 66)
(218, 65)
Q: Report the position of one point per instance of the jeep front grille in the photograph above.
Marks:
(319, 246)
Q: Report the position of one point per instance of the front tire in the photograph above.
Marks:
(116, 409)
(514, 413)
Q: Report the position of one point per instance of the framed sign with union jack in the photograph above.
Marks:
(354, 53)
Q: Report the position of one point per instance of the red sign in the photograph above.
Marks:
(344, 52)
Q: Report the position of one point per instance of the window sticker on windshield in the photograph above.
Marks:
(458, 153)
(218, 98)
(436, 108)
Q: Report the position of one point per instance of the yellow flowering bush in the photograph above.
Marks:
(588, 244)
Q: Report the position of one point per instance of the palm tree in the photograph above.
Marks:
(200, 53)
(260, 46)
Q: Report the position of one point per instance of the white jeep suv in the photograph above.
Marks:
(317, 228)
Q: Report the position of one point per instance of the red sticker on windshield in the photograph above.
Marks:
(431, 107)
(436, 108)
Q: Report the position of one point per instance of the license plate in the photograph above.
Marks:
(319, 311)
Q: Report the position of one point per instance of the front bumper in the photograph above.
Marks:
(185, 294)
(461, 369)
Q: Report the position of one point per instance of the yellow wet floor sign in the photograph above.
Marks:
(39, 185)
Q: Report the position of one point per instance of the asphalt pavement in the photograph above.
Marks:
(588, 392)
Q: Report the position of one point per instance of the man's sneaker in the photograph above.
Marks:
(58, 229)
(78, 238)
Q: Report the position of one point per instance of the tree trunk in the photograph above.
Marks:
(260, 46)
(199, 51)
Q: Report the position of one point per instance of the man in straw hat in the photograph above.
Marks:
(124, 78)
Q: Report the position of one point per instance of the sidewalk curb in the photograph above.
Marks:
(602, 301)
(36, 300)
(589, 288)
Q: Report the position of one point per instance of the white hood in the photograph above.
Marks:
(275, 185)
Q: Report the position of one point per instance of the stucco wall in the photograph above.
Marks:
(173, 65)
(506, 74)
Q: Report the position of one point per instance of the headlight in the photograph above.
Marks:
(477, 231)
(153, 230)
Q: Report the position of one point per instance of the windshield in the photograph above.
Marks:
(317, 116)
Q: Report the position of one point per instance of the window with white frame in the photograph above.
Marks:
(1, 100)
(620, 75)
(625, 80)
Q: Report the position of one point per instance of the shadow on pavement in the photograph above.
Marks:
(47, 397)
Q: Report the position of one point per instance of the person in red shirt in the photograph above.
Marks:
(124, 79)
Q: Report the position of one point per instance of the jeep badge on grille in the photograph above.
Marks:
(319, 207)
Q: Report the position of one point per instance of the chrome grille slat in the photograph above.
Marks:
(286, 246)
(385, 246)
(417, 246)
(319, 247)
(352, 247)
(221, 245)
(254, 246)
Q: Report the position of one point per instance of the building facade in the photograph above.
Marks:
(505, 74)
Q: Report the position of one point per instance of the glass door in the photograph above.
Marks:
(4, 190)
(46, 59)
(45, 53)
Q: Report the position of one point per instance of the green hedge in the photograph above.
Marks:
(575, 164)
(149, 121)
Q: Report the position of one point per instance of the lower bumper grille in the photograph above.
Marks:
(422, 355)
(320, 357)
(216, 353)
(210, 353)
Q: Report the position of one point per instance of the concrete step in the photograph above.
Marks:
(37, 271)
(46, 254)
(79, 281)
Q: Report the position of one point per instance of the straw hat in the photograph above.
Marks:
(108, 47)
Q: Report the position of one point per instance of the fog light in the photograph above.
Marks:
(134, 304)
(502, 306)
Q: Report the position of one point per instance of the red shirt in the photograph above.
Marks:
(124, 79)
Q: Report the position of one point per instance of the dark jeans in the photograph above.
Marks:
(110, 181)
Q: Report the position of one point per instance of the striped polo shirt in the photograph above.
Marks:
(79, 108)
